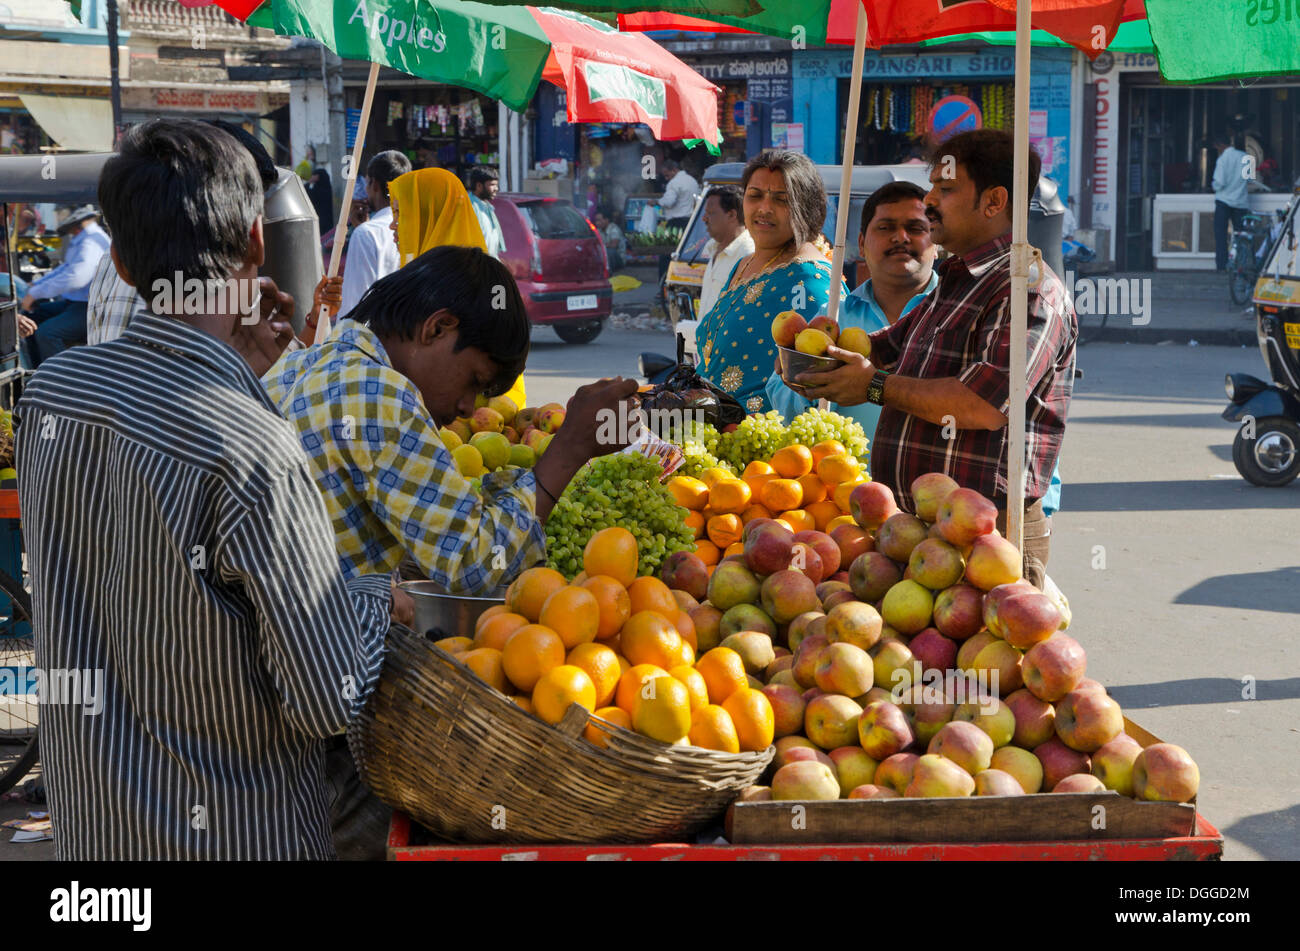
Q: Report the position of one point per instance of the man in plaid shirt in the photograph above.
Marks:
(941, 372)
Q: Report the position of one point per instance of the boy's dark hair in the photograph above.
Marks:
(887, 195)
(730, 198)
(988, 155)
(266, 169)
(803, 185)
(207, 185)
(470, 283)
(481, 175)
(1239, 141)
(386, 166)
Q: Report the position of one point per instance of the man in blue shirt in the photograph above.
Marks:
(58, 321)
(895, 243)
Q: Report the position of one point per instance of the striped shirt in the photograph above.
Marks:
(963, 330)
(180, 552)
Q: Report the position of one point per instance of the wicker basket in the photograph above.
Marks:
(439, 744)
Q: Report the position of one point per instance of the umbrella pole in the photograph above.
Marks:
(341, 226)
(1021, 255)
(846, 171)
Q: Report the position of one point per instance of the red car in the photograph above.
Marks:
(558, 260)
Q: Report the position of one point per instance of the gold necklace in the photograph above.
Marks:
(766, 267)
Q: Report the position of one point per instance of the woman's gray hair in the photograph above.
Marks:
(803, 183)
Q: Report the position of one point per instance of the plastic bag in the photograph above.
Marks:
(649, 219)
(691, 395)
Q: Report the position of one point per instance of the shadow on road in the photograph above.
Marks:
(1271, 834)
(1177, 693)
(1256, 590)
(1162, 420)
(1223, 452)
(1177, 495)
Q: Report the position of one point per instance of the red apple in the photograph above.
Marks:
(768, 548)
(1080, 782)
(899, 535)
(826, 549)
(883, 730)
(936, 564)
(787, 594)
(1054, 668)
(804, 558)
(827, 326)
(1035, 719)
(1027, 619)
(933, 650)
(805, 781)
(965, 744)
(965, 515)
(957, 611)
(935, 776)
(993, 561)
(1021, 764)
(786, 327)
(872, 575)
(871, 504)
(1087, 720)
(928, 493)
(831, 720)
(993, 601)
(853, 767)
(844, 669)
(895, 772)
(854, 623)
(1164, 773)
(870, 791)
(787, 708)
(805, 660)
(1060, 761)
(994, 782)
(1113, 763)
(852, 541)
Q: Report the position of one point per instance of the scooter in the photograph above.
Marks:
(1266, 450)
(657, 367)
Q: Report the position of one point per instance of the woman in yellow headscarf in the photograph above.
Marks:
(431, 208)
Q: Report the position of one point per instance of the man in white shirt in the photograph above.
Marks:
(679, 195)
(1230, 189)
(482, 189)
(57, 302)
(372, 249)
(729, 241)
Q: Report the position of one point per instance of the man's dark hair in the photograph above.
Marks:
(266, 169)
(481, 175)
(671, 164)
(988, 155)
(803, 185)
(180, 195)
(1239, 141)
(386, 166)
(730, 198)
(887, 195)
(470, 283)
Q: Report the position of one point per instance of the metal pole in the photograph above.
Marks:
(115, 80)
(1021, 256)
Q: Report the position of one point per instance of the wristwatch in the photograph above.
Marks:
(876, 388)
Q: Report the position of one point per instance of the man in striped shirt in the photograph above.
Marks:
(941, 371)
(180, 553)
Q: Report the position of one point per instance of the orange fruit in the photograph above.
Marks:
(712, 729)
(686, 654)
(800, 520)
(650, 638)
(531, 652)
(756, 474)
(786, 523)
(489, 614)
(579, 578)
(612, 551)
(650, 594)
(708, 552)
(723, 672)
(752, 714)
(781, 495)
(559, 688)
(498, 629)
(624, 665)
(689, 493)
(843, 491)
(615, 717)
(822, 512)
(486, 663)
(724, 530)
(838, 468)
(455, 645)
(831, 447)
(612, 600)
(695, 522)
(601, 665)
(814, 489)
(792, 462)
(686, 628)
(755, 511)
(694, 683)
(529, 591)
(837, 521)
(663, 709)
(573, 613)
(735, 548)
(710, 476)
(629, 685)
(523, 703)
(729, 496)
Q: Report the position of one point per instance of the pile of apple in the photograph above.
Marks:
(904, 656)
(500, 435)
(815, 337)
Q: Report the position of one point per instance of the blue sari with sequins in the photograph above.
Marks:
(734, 338)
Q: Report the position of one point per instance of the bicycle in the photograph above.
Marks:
(1250, 247)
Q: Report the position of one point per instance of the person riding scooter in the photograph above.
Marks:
(54, 308)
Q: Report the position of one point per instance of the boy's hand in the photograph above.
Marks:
(260, 342)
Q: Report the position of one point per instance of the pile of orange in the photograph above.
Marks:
(804, 488)
(622, 647)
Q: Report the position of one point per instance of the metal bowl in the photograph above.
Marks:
(439, 614)
(793, 363)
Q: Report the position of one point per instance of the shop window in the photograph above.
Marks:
(1205, 225)
(1176, 231)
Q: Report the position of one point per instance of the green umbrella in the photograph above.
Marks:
(1225, 39)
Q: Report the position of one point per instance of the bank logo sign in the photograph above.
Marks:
(606, 81)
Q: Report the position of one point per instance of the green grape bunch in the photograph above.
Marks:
(619, 489)
(814, 425)
(757, 437)
(699, 442)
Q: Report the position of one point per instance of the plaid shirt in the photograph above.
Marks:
(110, 303)
(963, 330)
(390, 486)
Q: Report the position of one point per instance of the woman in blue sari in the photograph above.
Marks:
(785, 208)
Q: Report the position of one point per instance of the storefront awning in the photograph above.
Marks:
(75, 123)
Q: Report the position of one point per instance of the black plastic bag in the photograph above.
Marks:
(688, 392)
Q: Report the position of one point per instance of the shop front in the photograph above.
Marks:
(434, 125)
(1153, 151)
